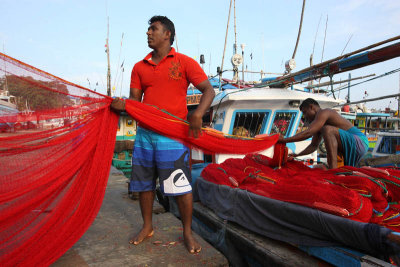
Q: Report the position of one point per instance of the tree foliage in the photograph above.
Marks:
(36, 94)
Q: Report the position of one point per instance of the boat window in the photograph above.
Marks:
(389, 145)
(283, 122)
(303, 125)
(249, 124)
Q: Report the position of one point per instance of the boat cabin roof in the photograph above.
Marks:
(265, 93)
(373, 115)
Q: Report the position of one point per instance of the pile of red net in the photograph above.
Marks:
(362, 194)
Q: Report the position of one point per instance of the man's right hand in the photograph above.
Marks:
(195, 122)
(291, 156)
(118, 105)
(281, 139)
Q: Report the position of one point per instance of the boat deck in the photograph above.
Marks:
(106, 243)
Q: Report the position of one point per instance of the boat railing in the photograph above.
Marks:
(376, 129)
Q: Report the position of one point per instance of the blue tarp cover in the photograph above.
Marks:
(292, 223)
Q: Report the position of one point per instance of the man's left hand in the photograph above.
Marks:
(195, 123)
(281, 139)
(118, 104)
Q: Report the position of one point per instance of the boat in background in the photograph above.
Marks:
(9, 109)
(125, 139)
(387, 143)
(372, 123)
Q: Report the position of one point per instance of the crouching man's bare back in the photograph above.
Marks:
(333, 128)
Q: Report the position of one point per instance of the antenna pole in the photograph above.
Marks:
(346, 44)
(223, 54)
(312, 54)
(236, 70)
(5, 72)
(108, 61)
(323, 47)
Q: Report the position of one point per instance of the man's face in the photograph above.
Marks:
(309, 113)
(157, 35)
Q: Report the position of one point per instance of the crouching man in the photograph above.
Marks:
(340, 136)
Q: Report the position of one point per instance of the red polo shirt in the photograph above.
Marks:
(165, 84)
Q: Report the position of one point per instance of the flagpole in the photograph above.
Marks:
(122, 80)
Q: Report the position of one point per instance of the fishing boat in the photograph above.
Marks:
(252, 112)
(372, 123)
(222, 220)
(257, 111)
(227, 218)
(268, 108)
(125, 138)
(8, 109)
(388, 143)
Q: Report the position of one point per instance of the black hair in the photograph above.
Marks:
(307, 102)
(167, 23)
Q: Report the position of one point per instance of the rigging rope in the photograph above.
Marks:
(376, 77)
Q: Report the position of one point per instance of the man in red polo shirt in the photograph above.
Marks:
(161, 79)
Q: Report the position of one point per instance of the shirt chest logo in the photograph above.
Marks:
(175, 71)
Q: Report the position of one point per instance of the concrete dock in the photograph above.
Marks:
(106, 243)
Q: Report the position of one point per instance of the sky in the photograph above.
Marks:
(67, 38)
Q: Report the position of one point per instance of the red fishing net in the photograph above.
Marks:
(361, 194)
(56, 145)
(211, 141)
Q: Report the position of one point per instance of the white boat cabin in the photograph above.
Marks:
(257, 111)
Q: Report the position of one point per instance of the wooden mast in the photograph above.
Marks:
(223, 54)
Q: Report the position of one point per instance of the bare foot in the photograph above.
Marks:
(191, 244)
(320, 166)
(142, 235)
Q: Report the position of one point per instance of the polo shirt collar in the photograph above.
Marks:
(171, 53)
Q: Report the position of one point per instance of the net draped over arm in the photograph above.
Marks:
(211, 141)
